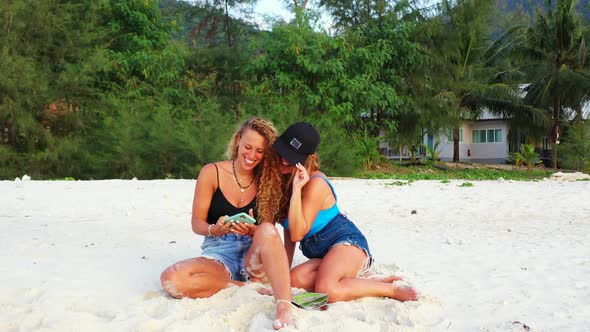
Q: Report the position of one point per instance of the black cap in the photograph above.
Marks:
(297, 142)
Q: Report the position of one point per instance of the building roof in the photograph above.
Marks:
(570, 114)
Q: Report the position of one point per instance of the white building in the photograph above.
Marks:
(483, 141)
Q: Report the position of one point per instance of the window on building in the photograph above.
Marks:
(450, 135)
(487, 136)
(497, 133)
(430, 141)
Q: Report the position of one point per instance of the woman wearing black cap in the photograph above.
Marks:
(338, 252)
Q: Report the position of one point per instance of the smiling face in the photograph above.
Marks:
(251, 147)
(285, 167)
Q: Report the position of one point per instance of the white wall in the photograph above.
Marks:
(468, 151)
(446, 145)
(496, 151)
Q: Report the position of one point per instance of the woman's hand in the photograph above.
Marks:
(220, 227)
(301, 177)
(240, 228)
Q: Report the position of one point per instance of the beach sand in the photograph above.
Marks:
(494, 256)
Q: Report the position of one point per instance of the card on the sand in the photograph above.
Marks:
(310, 300)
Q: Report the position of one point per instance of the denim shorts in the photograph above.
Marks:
(230, 250)
(340, 230)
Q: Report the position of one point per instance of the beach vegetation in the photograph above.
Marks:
(576, 147)
(554, 58)
(516, 159)
(466, 184)
(432, 154)
(153, 89)
(471, 68)
(526, 156)
(452, 171)
(400, 183)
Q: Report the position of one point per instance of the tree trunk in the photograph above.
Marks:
(455, 145)
(302, 5)
(227, 24)
(554, 137)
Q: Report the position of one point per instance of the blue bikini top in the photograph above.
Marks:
(323, 217)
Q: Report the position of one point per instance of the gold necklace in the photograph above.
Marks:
(233, 167)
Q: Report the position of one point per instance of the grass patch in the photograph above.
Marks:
(399, 183)
(415, 173)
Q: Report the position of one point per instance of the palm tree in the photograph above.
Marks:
(472, 73)
(557, 66)
(526, 156)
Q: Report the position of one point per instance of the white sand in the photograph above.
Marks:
(497, 256)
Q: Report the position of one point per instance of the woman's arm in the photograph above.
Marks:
(307, 200)
(204, 190)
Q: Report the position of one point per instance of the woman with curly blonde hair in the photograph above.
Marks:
(235, 252)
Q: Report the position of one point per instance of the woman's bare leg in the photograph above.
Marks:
(387, 279)
(267, 260)
(339, 280)
(304, 274)
(195, 278)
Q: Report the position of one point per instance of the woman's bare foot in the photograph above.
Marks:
(402, 291)
(283, 315)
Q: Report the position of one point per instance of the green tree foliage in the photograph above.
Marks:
(526, 156)
(351, 14)
(142, 54)
(576, 147)
(346, 81)
(218, 46)
(155, 120)
(470, 71)
(301, 74)
(529, 6)
(49, 57)
(153, 89)
(556, 61)
(99, 90)
(432, 154)
(209, 23)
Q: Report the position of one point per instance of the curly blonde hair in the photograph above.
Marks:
(270, 183)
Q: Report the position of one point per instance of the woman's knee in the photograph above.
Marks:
(267, 231)
(303, 279)
(330, 288)
(323, 287)
(170, 282)
(297, 279)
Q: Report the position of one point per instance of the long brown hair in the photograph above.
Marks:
(270, 188)
(312, 164)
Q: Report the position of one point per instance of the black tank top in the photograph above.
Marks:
(220, 206)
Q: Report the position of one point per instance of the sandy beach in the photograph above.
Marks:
(494, 256)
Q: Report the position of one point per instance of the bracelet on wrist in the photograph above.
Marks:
(209, 230)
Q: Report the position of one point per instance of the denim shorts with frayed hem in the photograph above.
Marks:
(230, 250)
(340, 230)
